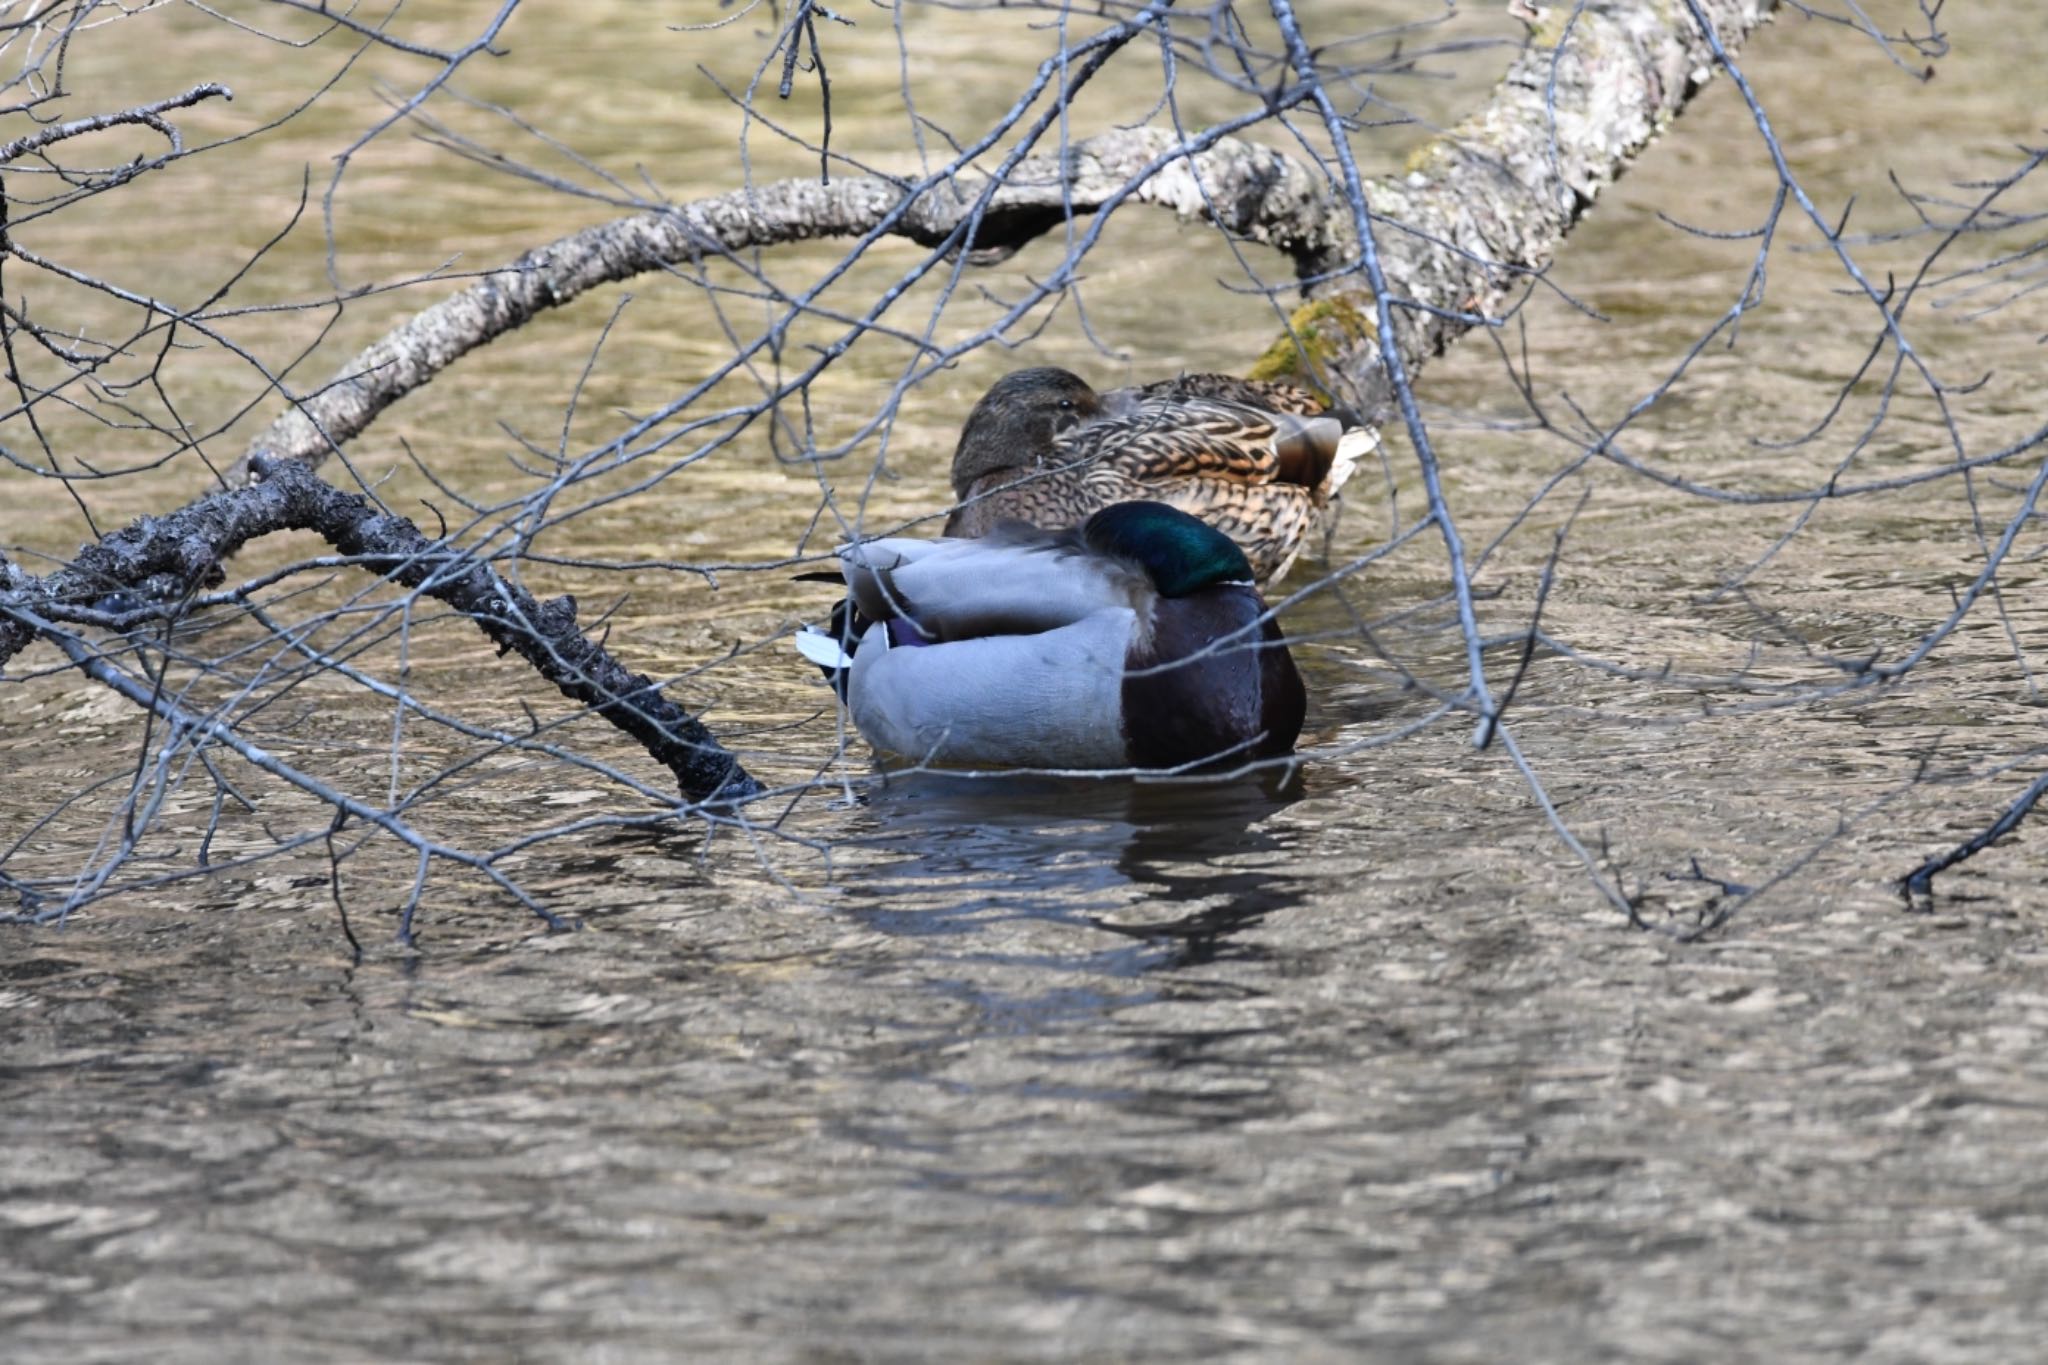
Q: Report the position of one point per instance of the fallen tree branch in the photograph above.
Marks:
(1480, 209)
(1918, 885)
(1484, 207)
(163, 560)
(187, 723)
(1260, 193)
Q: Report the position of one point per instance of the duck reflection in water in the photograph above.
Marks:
(961, 853)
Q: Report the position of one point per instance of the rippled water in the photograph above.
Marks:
(1352, 1064)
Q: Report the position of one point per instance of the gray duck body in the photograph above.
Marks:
(1135, 641)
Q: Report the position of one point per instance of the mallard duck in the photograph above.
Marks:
(1257, 460)
(1136, 640)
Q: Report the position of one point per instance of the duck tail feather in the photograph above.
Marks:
(822, 650)
(832, 649)
(1352, 449)
(1304, 447)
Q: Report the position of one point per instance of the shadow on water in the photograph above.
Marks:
(1182, 864)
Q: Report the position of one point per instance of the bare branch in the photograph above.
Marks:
(147, 114)
(1253, 191)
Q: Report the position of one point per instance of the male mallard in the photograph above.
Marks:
(1254, 459)
(1136, 640)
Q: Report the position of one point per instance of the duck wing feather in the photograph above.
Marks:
(1270, 394)
(1048, 700)
(1016, 582)
(1161, 439)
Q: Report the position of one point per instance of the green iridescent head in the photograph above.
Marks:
(1181, 554)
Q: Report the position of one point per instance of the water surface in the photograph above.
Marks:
(1354, 1062)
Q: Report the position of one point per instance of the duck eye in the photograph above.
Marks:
(1066, 405)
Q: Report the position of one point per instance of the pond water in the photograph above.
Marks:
(1352, 1061)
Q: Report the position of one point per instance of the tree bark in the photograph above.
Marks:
(1485, 205)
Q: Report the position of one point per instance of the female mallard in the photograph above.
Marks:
(1136, 640)
(1256, 460)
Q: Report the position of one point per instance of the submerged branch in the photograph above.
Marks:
(1918, 885)
(166, 559)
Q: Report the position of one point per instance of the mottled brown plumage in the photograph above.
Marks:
(1257, 460)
